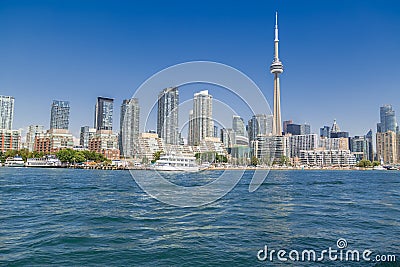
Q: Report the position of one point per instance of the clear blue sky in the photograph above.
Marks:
(341, 58)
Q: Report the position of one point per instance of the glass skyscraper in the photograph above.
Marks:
(388, 119)
(59, 118)
(104, 113)
(129, 127)
(6, 112)
(167, 115)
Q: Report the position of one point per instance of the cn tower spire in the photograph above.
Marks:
(276, 69)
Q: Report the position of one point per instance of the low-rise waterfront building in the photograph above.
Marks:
(53, 140)
(327, 158)
(10, 140)
(105, 142)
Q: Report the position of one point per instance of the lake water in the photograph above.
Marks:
(66, 217)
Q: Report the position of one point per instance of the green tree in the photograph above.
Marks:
(254, 161)
(364, 163)
(66, 155)
(284, 160)
(376, 163)
(156, 156)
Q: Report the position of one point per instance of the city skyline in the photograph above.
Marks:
(79, 76)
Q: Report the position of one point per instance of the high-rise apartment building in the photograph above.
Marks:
(387, 147)
(59, 117)
(201, 124)
(6, 112)
(259, 125)
(104, 113)
(167, 115)
(388, 120)
(238, 126)
(129, 127)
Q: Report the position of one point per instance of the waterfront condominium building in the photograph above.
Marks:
(105, 142)
(259, 125)
(10, 140)
(59, 117)
(301, 142)
(388, 119)
(33, 130)
(129, 127)
(85, 135)
(387, 147)
(6, 112)
(201, 124)
(53, 140)
(148, 144)
(167, 115)
(104, 113)
(359, 146)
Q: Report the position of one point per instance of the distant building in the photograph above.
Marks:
(259, 125)
(238, 126)
(325, 132)
(294, 129)
(129, 127)
(215, 131)
(326, 158)
(285, 124)
(334, 143)
(105, 142)
(104, 113)
(301, 142)
(201, 124)
(6, 112)
(85, 134)
(33, 130)
(305, 129)
(228, 137)
(359, 146)
(59, 117)
(53, 140)
(370, 147)
(167, 115)
(269, 149)
(388, 120)
(336, 132)
(387, 147)
(10, 140)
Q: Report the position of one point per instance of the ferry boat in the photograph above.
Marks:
(45, 162)
(176, 163)
(16, 161)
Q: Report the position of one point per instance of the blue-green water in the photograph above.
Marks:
(64, 217)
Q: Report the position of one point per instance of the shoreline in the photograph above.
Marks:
(113, 168)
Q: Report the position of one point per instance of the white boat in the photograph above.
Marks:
(176, 163)
(45, 162)
(380, 167)
(16, 161)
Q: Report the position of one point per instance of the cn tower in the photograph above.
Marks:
(276, 69)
